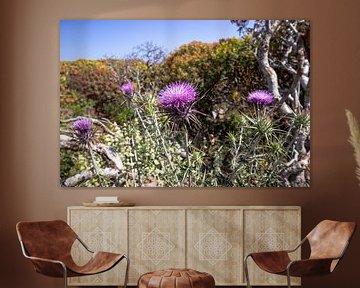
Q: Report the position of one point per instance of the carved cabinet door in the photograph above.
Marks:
(214, 244)
(101, 230)
(270, 230)
(156, 240)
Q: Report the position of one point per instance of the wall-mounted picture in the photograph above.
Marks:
(185, 103)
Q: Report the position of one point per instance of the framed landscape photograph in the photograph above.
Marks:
(185, 103)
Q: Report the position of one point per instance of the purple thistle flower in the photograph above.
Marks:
(83, 130)
(177, 96)
(260, 97)
(177, 100)
(127, 88)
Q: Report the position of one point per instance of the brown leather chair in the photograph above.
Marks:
(48, 245)
(328, 242)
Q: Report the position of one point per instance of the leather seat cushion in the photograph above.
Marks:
(176, 278)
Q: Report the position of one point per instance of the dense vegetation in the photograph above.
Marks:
(132, 140)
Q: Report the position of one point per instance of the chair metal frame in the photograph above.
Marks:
(26, 255)
(288, 276)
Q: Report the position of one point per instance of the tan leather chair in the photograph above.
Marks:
(328, 242)
(48, 245)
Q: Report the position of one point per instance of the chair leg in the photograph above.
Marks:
(246, 270)
(65, 276)
(127, 271)
(288, 278)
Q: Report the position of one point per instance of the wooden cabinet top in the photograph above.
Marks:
(193, 207)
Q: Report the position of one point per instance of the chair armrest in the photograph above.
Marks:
(281, 251)
(271, 261)
(268, 253)
(38, 259)
(48, 267)
(84, 245)
(45, 260)
(309, 267)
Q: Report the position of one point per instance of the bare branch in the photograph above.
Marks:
(88, 174)
(297, 174)
(149, 52)
(267, 70)
(67, 142)
(111, 154)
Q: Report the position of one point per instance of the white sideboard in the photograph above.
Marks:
(212, 239)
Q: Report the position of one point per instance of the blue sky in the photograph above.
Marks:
(95, 39)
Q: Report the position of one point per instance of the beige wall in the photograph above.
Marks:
(29, 111)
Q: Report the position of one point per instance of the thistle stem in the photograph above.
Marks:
(95, 166)
(187, 155)
(138, 173)
(163, 144)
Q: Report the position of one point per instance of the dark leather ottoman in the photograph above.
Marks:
(176, 278)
